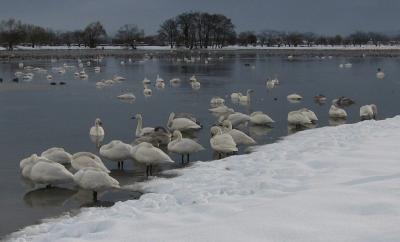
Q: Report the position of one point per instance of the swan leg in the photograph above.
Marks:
(219, 155)
(94, 196)
(188, 158)
(147, 170)
(182, 159)
(119, 165)
(122, 165)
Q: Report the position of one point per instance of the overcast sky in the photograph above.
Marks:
(320, 16)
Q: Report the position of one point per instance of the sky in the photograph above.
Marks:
(320, 16)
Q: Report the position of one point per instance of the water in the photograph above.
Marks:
(36, 116)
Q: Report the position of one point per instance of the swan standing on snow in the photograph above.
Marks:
(58, 155)
(183, 146)
(116, 151)
(149, 155)
(49, 173)
(368, 112)
(83, 160)
(140, 131)
(238, 136)
(181, 124)
(95, 180)
(336, 112)
(260, 118)
(97, 129)
(222, 143)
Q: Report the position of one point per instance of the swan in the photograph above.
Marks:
(270, 84)
(147, 154)
(246, 98)
(238, 118)
(368, 112)
(95, 180)
(140, 131)
(82, 160)
(147, 91)
(127, 96)
(50, 173)
(183, 146)
(97, 129)
(320, 98)
(310, 114)
(380, 74)
(88, 63)
(221, 109)
(49, 77)
(21, 65)
(294, 97)
(160, 85)
(238, 136)
(97, 69)
(26, 164)
(236, 95)
(116, 151)
(118, 78)
(195, 85)
(298, 118)
(159, 79)
(181, 124)
(193, 78)
(222, 143)
(343, 101)
(122, 62)
(58, 155)
(175, 81)
(260, 118)
(160, 136)
(146, 81)
(336, 112)
(217, 101)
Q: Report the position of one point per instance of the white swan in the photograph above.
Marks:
(294, 97)
(147, 91)
(183, 146)
(368, 112)
(193, 78)
(116, 151)
(336, 112)
(235, 96)
(140, 131)
(221, 109)
(181, 124)
(260, 118)
(238, 118)
(146, 81)
(82, 160)
(97, 69)
(95, 180)
(222, 143)
(83, 75)
(49, 173)
(298, 118)
(238, 136)
(127, 96)
(175, 81)
(380, 74)
(246, 98)
(49, 77)
(310, 114)
(217, 101)
(149, 155)
(58, 155)
(160, 85)
(21, 65)
(97, 129)
(159, 79)
(26, 164)
(195, 85)
(118, 78)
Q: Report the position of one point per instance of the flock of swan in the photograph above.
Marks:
(152, 145)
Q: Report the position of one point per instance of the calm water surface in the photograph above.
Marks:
(36, 116)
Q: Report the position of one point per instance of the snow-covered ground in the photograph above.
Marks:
(328, 184)
(232, 47)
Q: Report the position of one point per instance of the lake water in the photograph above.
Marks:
(36, 116)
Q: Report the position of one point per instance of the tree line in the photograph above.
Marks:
(192, 30)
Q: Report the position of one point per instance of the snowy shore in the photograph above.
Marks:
(43, 52)
(327, 184)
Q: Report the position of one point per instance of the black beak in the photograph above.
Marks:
(100, 123)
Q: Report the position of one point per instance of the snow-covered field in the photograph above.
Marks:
(328, 184)
(232, 47)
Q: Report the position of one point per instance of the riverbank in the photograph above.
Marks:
(328, 184)
(166, 52)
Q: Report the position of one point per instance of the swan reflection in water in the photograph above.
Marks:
(296, 128)
(48, 197)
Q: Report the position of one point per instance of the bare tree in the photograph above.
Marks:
(93, 33)
(169, 31)
(11, 32)
(129, 34)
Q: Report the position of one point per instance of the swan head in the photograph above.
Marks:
(98, 122)
(227, 124)
(176, 135)
(137, 116)
(215, 131)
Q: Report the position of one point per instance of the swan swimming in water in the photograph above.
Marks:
(95, 180)
(147, 91)
(140, 131)
(246, 98)
(336, 112)
(294, 97)
(149, 155)
(238, 136)
(116, 151)
(97, 129)
(127, 96)
(215, 101)
(298, 118)
(380, 74)
(222, 143)
(260, 118)
(83, 160)
(183, 146)
(368, 112)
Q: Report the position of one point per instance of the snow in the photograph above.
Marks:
(328, 184)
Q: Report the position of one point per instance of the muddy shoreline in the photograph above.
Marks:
(122, 53)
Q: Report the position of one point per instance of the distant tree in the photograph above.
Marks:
(169, 31)
(36, 35)
(130, 34)
(247, 38)
(359, 38)
(93, 33)
(336, 40)
(11, 32)
(78, 37)
(294, 39)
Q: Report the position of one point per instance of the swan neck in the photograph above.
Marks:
(139, 126)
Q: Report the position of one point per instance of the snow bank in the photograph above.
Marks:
(328, 184)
